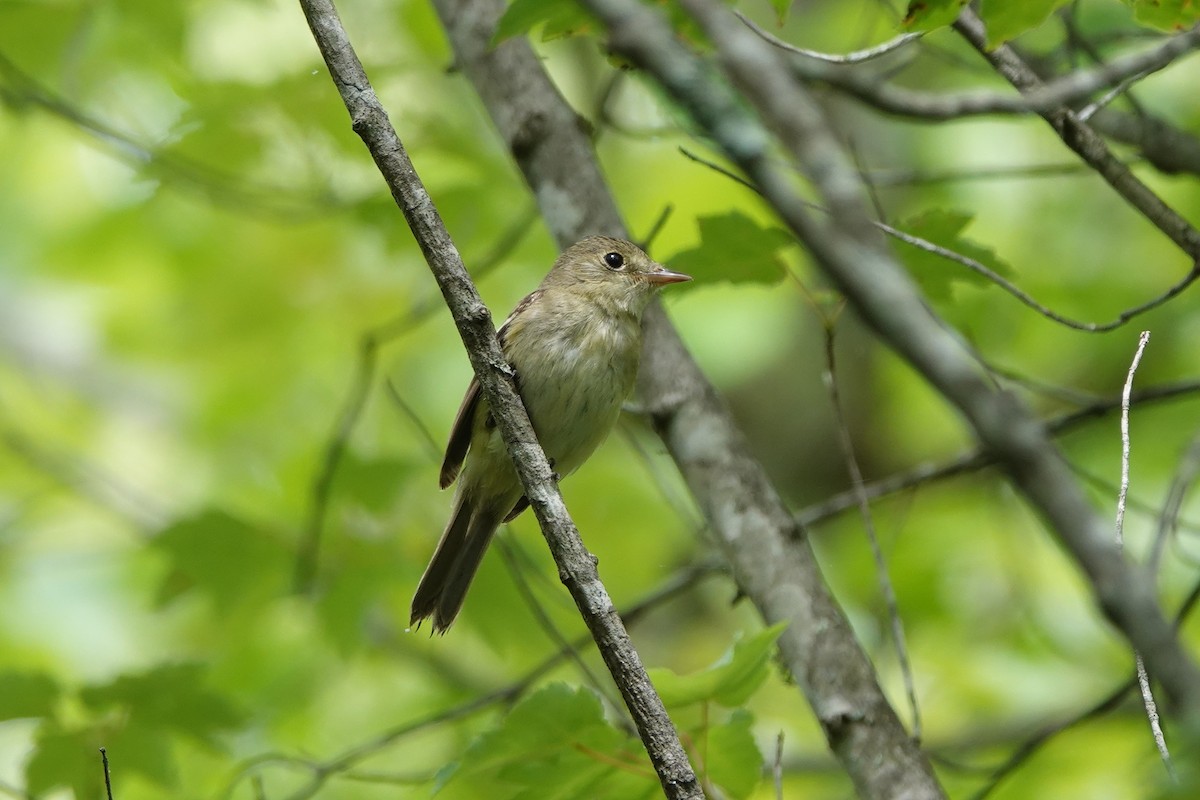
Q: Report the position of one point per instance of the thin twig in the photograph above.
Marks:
(1087, 112)
(853, 57)
(429, 444)
(1078, 136)
(1109, 703)
(308, 550)
(886, 588)
(107, 777)
(1041, 99)
(887, 178)
(1088, 327)
(677, 500)
(659, 223)
(1035, 743)
(978, 459)
(777, 767)
(981, 269)
(1168, 519)
(1126, 394)
(1143, 679)
(554, 634)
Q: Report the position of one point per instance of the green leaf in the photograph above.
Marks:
(733, 247)
(27, 694)
(1006, 19)
(730, 681)
(224, 557)
(935, 273)
(1168, 15)
(926, 15)
(782, 7)
(553, 744)
(734, 762)
(559, 18)
(64, 758)
(170, 696)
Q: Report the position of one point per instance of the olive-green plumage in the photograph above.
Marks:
(574, 344)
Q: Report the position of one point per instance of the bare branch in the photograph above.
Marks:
(886, 588)
(1168, 518)
(107, 776)
(1086, 142)
(1143, 678)
(979, 458)
(1042, 98)
(1126, 394)
(577, 566)
(308, 550)
(1163, 145)
(854, 57)
(1104, 706)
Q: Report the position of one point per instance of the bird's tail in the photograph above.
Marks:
(444, 585)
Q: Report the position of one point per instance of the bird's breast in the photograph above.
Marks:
(573, 380)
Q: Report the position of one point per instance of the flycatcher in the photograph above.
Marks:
(574, 344)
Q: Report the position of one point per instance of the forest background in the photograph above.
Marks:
(226, 375)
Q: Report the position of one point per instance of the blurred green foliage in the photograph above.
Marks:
(193, 245)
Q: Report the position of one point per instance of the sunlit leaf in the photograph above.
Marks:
(730, 681)
(781, 7)
(734, 762)
(1168, 15)
(937, 274)
(926, 15)
(733, 247)
(1007, 20)
(558, 17)
(553, 744)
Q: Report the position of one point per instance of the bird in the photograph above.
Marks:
(574, 345)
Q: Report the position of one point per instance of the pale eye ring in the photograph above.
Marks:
(614, 260)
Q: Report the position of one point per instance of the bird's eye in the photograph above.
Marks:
(614, 260)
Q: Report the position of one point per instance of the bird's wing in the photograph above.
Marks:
(460, 436)
(464, 421)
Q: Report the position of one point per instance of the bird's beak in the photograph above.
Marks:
(662, 276)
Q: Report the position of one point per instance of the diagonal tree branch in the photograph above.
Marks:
(577, 566)
(1086, 142)
(770, 558)
(851, 253)
(1041, 98)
